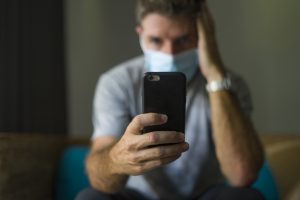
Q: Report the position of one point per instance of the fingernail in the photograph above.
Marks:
(164, 117)
(186, 146)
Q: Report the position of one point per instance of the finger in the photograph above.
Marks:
(158, 163)
(149, 119)
(206, 21)
(161, 152)
(201, 25)
(160, 137)
(150, 165)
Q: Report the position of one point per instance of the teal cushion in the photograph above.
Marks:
(71, 176)
(266, 183)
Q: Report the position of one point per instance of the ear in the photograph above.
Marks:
(138, 29)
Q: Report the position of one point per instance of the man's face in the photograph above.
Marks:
(171, 36)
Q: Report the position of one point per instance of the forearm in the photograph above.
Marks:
(101, 173)
(237, 145)
(238, 149)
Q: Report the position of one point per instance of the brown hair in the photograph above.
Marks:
(169, 8)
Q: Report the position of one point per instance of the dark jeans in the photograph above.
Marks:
(219, 192)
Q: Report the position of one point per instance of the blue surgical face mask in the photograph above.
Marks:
(186, 62)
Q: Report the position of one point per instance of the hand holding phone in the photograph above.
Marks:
(163, 141)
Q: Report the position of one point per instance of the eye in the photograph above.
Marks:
(155, 41)
(183, 40)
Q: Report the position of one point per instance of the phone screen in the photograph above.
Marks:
(165, 93)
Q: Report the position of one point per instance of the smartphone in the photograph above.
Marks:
(165, 93)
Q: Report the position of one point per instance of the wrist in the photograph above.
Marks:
(113, 160)
(219, 84)
(215, 75)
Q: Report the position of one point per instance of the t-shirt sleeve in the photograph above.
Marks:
(110, 108)
(242, 92)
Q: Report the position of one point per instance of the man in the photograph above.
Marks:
(219, 142)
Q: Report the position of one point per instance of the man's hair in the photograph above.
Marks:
(169, 8)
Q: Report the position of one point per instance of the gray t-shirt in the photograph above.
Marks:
(118, 98)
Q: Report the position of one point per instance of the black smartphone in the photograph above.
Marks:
(165, 93)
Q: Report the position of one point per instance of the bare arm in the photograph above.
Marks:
(98, 166)
(112, 161)
(237, 146)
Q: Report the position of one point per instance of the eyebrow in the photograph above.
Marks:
(157, 38)
(183, 36)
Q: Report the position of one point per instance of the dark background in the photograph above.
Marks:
(32, 71)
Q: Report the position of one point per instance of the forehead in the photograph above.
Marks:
(159, 25)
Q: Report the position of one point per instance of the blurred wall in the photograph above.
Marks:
(99, 34)
(259, 39)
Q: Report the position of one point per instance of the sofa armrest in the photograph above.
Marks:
(282, 152)
(28, 165)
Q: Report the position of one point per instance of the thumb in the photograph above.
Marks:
(149, 119)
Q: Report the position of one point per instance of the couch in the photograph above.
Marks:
(46, 167)
(283, 155)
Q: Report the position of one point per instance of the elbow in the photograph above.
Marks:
(243, 180)
(244, 176)
(246, 173)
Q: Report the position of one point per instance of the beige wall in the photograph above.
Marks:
(259, 39)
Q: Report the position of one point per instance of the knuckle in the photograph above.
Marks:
(139, 169)
(133, 160)
(131, 147)
(159, 152)
(153, 137)
(138, 120)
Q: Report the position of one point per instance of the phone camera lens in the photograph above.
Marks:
(151, 78)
